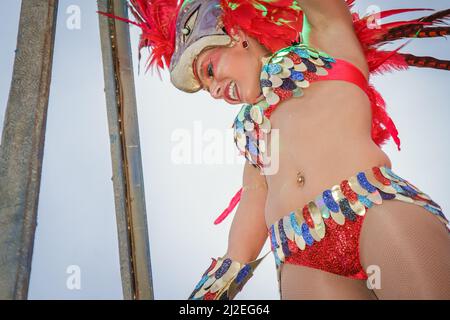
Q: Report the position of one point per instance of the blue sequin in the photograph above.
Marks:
(277, 259)
(329, 201)
(306, 235)
(311, 66)
(239, 128)
(365, 201)
(272, 68)
(434, 210)
(328, 59)
(327, 65)
(252, 148)
(386, 196)
(408, 190)
(283, 239)
(223, 268)
(396, 186)
(365, 183)
(301, 52)
(247, 115)
(295, 225)
(273, 240)
(392, 174)
(202, 281)
(243, 273)
(288, 84)
(266, 83)
(297, 75)
(347, 210)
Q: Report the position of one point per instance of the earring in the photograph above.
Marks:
(245, 44)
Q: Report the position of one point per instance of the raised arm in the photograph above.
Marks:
(326, 13)
(329, 27)
(226, 276)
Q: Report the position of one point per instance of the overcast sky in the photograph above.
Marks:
(76, 218)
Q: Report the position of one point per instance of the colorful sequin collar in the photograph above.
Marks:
(284, 75)
(342, 203)
(223, 279)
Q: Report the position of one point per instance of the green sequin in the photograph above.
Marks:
(284, 21)
(186, 2)
(295, 6)
(313, 54)
(282, 53)
(277, 59)
(233, 5)
(261, 8)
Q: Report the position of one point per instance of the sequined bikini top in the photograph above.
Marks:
(286, 74)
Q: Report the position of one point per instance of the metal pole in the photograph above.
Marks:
(128, 179)
(22, 145)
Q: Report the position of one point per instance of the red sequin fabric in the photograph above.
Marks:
(324, 234)
(338, 252)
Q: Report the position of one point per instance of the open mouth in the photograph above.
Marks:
(232, 92)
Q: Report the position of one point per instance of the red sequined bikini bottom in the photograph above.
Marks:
(324, 234)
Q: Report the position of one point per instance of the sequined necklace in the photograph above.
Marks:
(284, 75)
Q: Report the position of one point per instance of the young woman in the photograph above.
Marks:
(316, 181)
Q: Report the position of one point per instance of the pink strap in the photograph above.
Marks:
(345, 71)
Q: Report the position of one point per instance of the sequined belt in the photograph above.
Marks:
(343, 202)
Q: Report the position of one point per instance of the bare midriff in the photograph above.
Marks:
(326, 136)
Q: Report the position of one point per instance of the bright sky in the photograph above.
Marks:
(76, 219)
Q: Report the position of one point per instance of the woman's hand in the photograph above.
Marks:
(248, 231)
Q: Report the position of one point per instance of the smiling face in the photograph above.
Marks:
(232, 73)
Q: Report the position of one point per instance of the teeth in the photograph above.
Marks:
(232, 90)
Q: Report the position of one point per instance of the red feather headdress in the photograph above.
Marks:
(275, 24)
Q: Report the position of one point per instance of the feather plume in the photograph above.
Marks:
(381, 61)
(157, 20)
(438, 17)
(417, 32)
(415, 27)
(426, 62)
